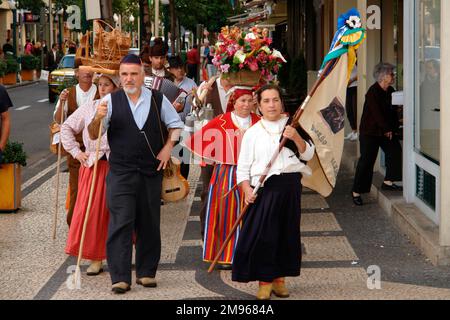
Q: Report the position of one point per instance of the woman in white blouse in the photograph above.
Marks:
(94, 248)
(269, 247)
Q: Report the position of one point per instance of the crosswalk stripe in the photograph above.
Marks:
(43, 100)
(22, 108)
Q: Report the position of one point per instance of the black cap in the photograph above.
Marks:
(131, 59)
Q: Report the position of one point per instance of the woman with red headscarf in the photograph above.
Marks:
(219, 142)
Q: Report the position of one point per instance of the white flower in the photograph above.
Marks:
(354, 22)
(277, 54)
(239, 57)
(266, 49)
(250, 36)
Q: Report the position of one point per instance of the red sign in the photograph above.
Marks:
(29, 17)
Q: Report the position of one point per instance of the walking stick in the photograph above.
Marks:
(55, 217)
(294, 123)
(88, 209)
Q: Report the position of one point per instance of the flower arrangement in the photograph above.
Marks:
(238, 51)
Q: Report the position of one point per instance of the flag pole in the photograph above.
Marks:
(294, 123)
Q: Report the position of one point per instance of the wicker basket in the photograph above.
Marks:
(246, 78)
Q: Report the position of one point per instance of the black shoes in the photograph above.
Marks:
(394, 187)
(357, 200)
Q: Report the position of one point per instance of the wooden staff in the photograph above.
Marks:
(55, 217)
(91, 195)
(294, 123)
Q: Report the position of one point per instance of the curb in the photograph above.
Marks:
(23, 84)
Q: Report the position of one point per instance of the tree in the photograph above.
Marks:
(33, 5)
(211, 13)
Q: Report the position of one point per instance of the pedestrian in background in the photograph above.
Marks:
(351, 105)
(193, 62)
(379, 129)
(183, 105)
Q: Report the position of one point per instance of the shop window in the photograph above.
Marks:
(427, 78)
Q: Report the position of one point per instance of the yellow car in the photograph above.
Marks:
(61, 77)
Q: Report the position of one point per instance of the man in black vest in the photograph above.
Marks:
(136, 120)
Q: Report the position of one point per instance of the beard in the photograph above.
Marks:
(130, 90)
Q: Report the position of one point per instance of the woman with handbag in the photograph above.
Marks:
(94, 248)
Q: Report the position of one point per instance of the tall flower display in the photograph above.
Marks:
(239, 52)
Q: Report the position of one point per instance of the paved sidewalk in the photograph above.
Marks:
(340, 242)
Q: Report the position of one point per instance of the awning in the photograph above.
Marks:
(246, 17)
(272, 22)
(254, 3)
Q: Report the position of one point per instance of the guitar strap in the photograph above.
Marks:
(159, 120)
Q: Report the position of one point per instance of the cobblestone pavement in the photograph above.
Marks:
(340, 244)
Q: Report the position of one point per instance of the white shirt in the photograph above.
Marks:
(258, 147)
(159, 73)
(243, 123)
(83, 98)
(141, 110)
(224, 95)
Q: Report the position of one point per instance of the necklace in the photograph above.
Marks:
(269, 132)
(274, 136)
(234, 119)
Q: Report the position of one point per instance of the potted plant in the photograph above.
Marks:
(14, 157)
(28, 63)
(2, 70)
(12, 67)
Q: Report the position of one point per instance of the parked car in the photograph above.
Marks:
(61, 77)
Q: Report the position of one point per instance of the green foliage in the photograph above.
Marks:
(11, 65)
(28, 62)
(2, 67)
(70, 82)
(211, 13)
(33, 5)
(14, 153)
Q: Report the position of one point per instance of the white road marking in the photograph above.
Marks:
(43, 100)
(41, 174)
(22, 108)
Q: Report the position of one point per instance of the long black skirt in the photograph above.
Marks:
(269, 245)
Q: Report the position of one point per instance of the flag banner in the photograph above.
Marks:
(324, 120)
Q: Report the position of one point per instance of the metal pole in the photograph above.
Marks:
(156, 18)
(50, 14)
(15, 31)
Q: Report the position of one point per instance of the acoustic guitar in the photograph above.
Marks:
(174, 186)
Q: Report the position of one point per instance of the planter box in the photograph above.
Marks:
(10, 187)
(27, 75)
(9, 79)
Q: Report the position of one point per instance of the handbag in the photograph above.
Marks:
(55, 138)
